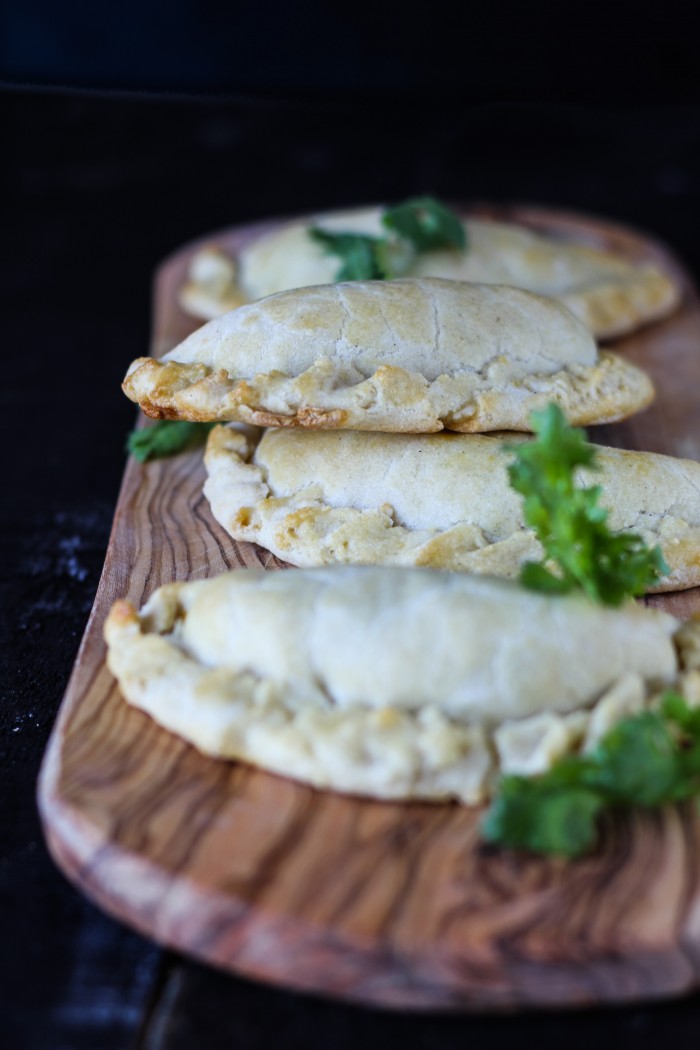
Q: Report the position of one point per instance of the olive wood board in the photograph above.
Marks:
(392, 904)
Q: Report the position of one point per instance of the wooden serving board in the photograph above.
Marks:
(393, 904)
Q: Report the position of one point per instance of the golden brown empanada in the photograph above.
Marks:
(608, 293)
(415, 355)
(439, 500)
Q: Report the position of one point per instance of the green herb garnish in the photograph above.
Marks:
(364, 257)
(426, 223)
(570, 523)
(165, 438)
(422, 224)
(650, 759)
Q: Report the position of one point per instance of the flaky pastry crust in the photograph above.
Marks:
(611, 295)
(442, 501)
(391, 683)
(401, 356)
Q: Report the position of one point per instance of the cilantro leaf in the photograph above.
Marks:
(528, 814)
(687, 724)
(427, 223)
(648, 760)
(417, 225)
(636, 763)
(364, 258)
(165, 438)
(581, 553)
(677, 710)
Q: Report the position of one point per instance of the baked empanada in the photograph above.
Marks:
(393, 683)
(609, 294)
(414, 355)
(211, 290)
(439, 500)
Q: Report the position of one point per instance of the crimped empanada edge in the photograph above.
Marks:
(390, 400)
(613, 309)
(306, 531)
(381, 753)
(610, 308)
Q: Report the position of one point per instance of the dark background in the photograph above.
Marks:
(622, 51)
(124, 136)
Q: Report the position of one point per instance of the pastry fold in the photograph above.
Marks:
(415, 355)
(608, 293)
(386, 682)
(437, 500)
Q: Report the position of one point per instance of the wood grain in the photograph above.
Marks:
(391, 904)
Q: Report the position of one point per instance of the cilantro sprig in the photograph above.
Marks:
(422, 223)
(570, 523)
(165, 438)
(648, 760)
(426, 223)
(651, 759)
(364, 258)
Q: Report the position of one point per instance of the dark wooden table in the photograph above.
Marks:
(96, 190)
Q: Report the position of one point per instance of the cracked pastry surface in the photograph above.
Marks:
(391, 683)
(437, 500)
(414, 355)
(609, 294)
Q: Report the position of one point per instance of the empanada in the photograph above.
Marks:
(609, 294)
(439, 500)
(414, 355)
(393, 683)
